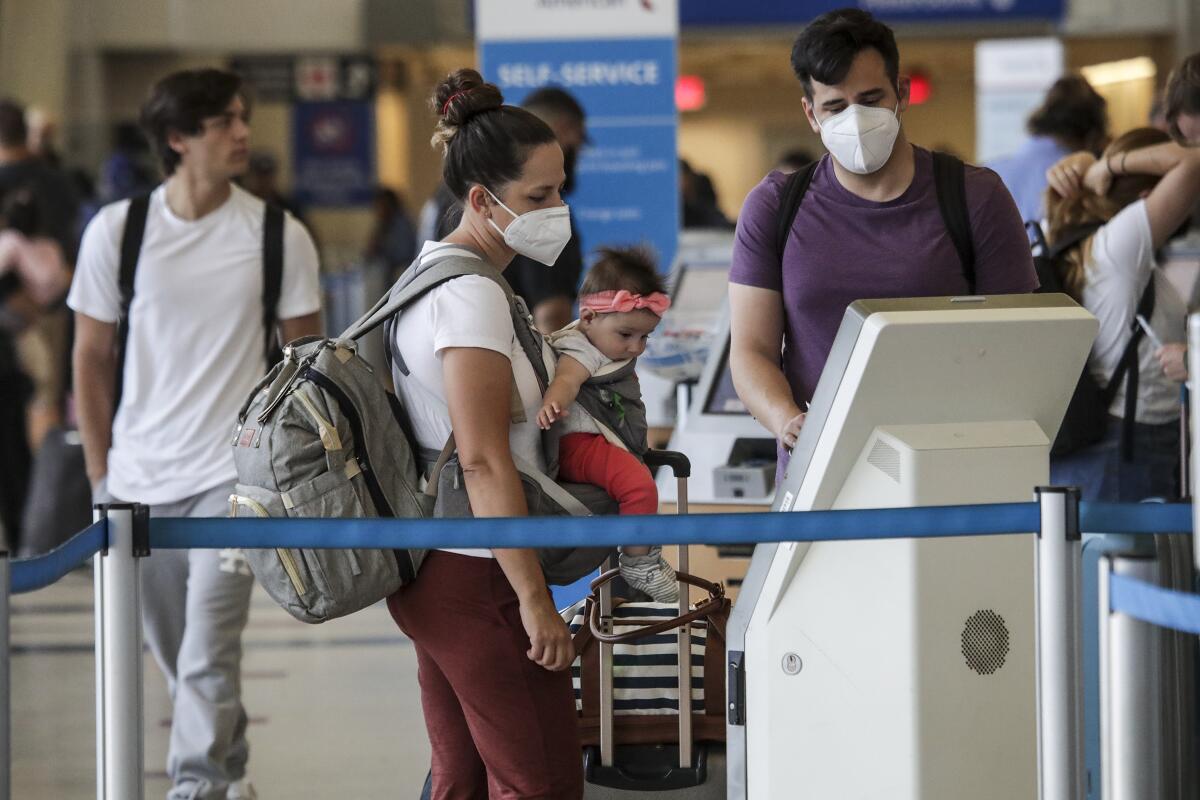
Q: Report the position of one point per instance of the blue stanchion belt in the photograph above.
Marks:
(1166, 608)
(905, 523)
(597, 531)
(1135, 518)
(29, 574)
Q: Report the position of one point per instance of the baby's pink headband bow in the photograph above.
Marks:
(622, 301)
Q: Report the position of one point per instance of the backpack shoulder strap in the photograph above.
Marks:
(950, 182)
(419, 279)
(793, 194)
(1127, 370)
(272, 253)
(131, 248)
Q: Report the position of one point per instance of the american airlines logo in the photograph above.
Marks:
(646, 5)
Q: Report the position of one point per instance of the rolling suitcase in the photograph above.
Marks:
(637, 754)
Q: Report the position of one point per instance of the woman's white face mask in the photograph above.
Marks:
(541, 234)
(861, 138)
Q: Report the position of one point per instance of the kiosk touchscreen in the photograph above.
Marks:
(678, 350)
(905, 668)
(733, 457)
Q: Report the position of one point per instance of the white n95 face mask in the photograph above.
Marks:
(861, 138)
(540, 234)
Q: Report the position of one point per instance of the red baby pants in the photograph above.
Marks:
(590, 458)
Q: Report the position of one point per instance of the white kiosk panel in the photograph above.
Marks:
(904, 669)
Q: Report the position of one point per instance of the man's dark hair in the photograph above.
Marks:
(1073, 113)
(1182, 95)
(554, 101)
(13, 130)
(628, 268)
(825, 49)
(180, 103)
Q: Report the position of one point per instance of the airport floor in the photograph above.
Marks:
(334, 709)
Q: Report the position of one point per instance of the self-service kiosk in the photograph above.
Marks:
(904, 669)
(681, 345)
(733, 457)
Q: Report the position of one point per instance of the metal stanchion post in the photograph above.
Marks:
(5, 679)
(1130, 714)
(606, 672)
(1194, 397)
(119, 654)
(1059, 636)
(685, 647)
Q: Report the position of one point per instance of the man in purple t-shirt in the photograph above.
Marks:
(869, 225)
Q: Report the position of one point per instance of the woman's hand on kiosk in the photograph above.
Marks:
(550, 644)
(791, 431)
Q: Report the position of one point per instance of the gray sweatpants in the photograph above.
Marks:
(194, 607)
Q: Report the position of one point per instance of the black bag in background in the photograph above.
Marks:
(15, 390)
(59, 503)
(1087, 414)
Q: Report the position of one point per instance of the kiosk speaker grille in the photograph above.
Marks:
(886, 459)
(985, 641)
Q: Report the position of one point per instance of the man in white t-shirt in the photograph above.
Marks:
(161, 368)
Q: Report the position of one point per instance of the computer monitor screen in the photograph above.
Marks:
(722, 397)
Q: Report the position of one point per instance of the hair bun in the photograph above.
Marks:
(462, 95)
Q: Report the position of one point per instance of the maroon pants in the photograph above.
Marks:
(500, 726)
(590, 458)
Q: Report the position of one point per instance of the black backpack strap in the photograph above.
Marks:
(273, 224)
(131, 248)
(1127, 369)
(950, 181)
(793, 194)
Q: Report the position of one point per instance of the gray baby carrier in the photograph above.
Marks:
(543, 495)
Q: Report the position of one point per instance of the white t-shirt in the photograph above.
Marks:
(1122, 262)
(470, 311)
(195, 347)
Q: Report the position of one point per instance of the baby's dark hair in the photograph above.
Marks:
(628, 268)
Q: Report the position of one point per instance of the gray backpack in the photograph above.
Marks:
(321, 437)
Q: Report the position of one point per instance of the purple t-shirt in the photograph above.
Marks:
(844, 248)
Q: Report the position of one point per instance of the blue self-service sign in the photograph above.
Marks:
(619, 61)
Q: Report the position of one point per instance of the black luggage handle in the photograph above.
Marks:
(678, 462)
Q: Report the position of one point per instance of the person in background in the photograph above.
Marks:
(127, 171)
(43, 135)
(32, 274)
(393, 241)
(1139, 191)
(262, 181)
(794, 159)
(155, 422)
(698, 200)
(1181, 102)
(870, 225)
(550, 292)
(39, 276)
(53, 192)
(1072, 117)
(1181, 120)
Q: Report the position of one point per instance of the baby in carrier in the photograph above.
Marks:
(594, 402)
